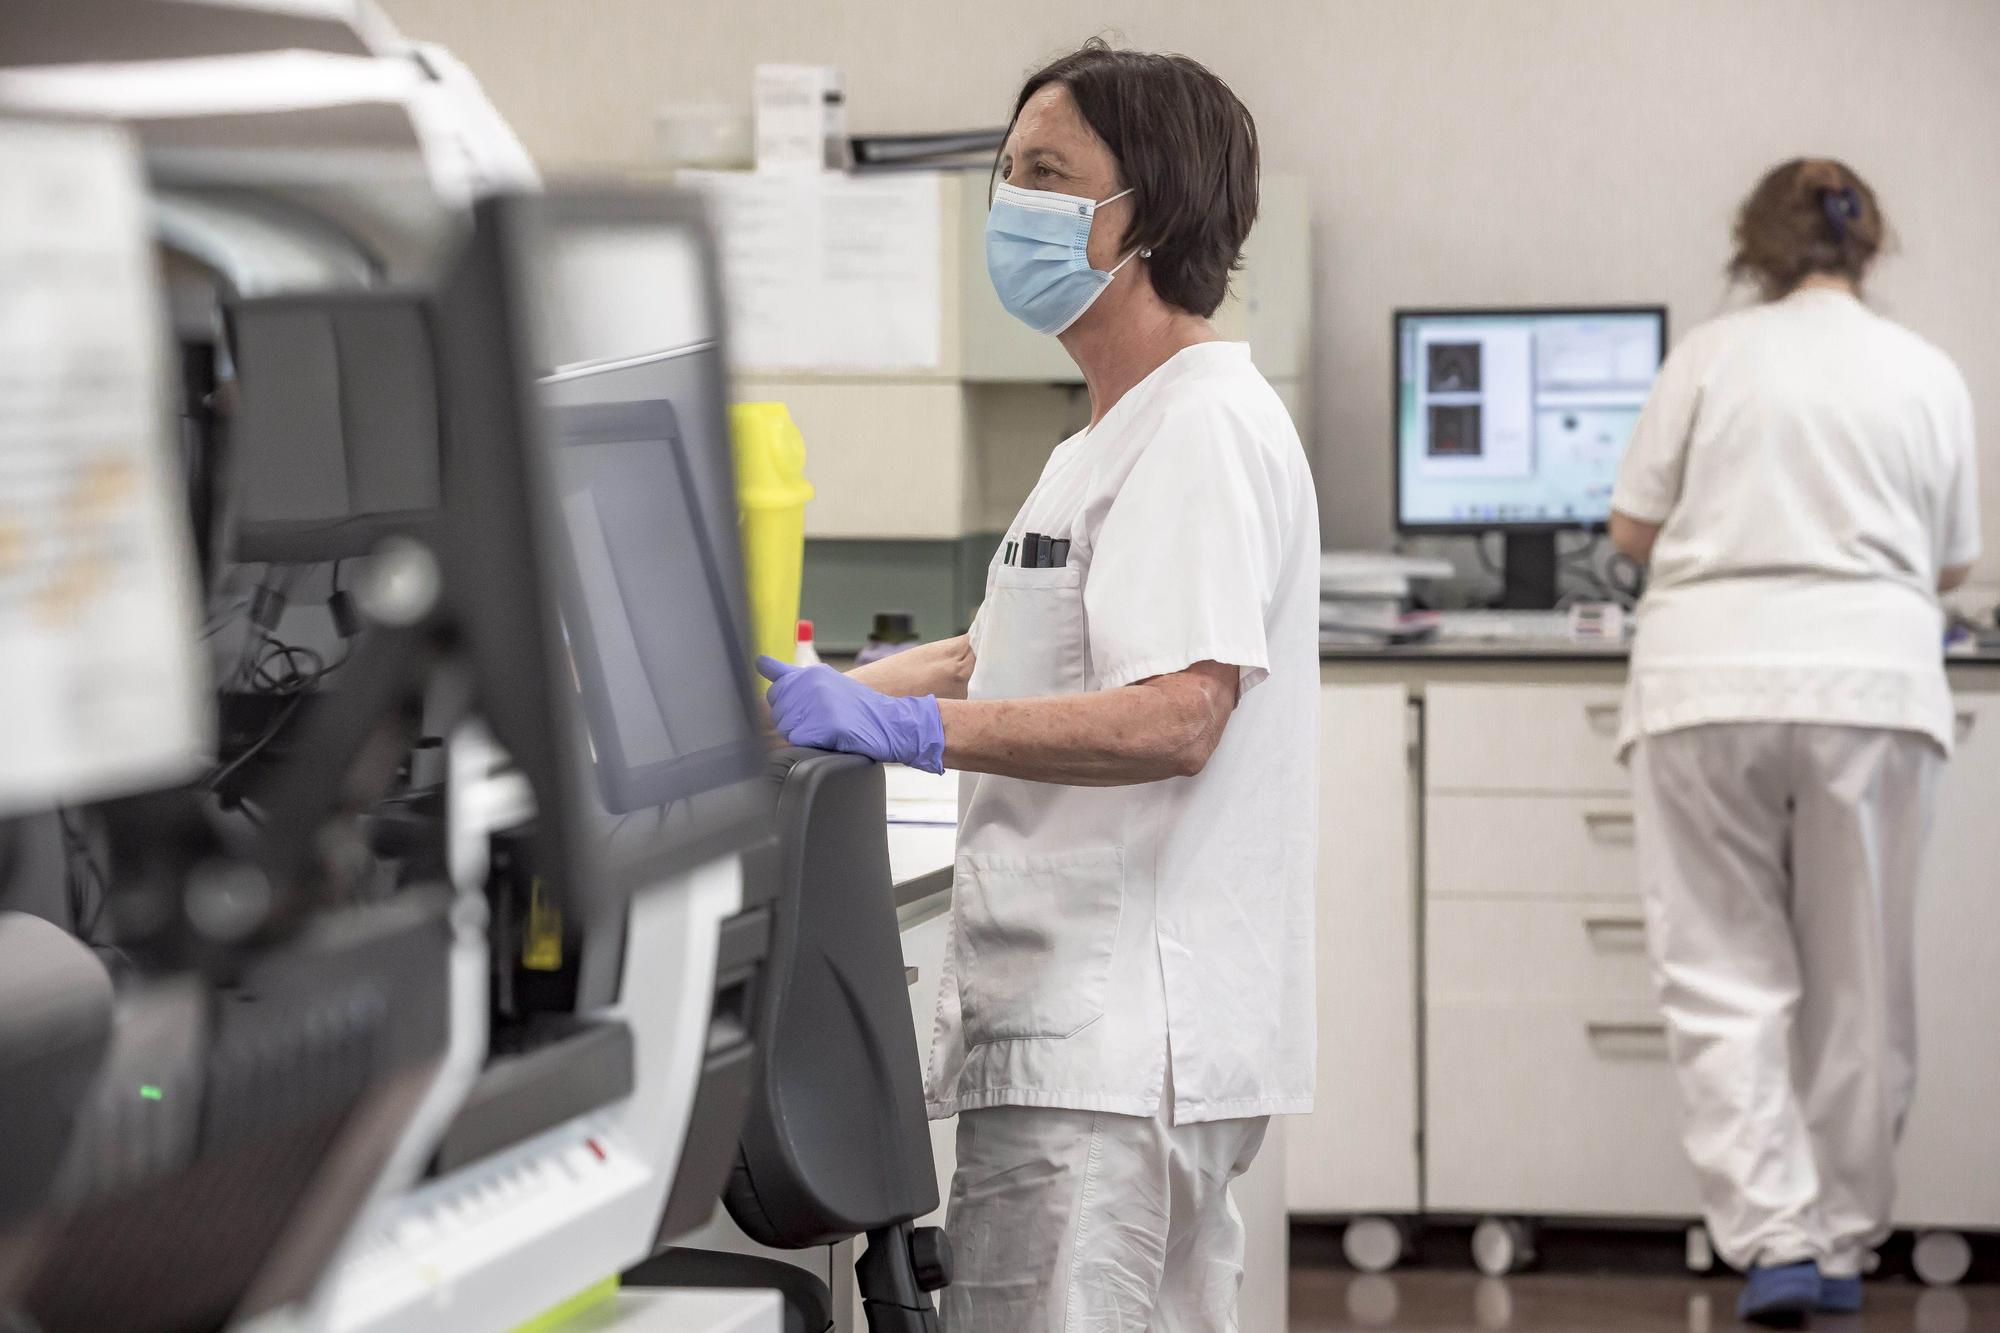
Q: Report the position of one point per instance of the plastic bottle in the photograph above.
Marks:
(894, 631)
(805, 654)
(771, 495)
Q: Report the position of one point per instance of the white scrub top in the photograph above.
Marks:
(1811, 464)
(1099, 932)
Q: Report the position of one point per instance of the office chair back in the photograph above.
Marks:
(835, 1142)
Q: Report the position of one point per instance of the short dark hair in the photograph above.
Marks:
(1807, 216)
(1185, 145)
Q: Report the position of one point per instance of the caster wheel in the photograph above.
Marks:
(1372, 1244)
(1700, 1252)
(1502, 1245)
(1941, 1258)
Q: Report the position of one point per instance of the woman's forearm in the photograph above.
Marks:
(942, 668)
(1161, 728)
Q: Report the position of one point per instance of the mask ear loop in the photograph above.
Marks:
(1144, 252)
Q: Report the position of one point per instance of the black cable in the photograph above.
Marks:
(223, 619)
(289, 671)
(257, 747)
(302, 668)
(76, 848)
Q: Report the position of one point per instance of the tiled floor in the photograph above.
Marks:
(1334, 1300)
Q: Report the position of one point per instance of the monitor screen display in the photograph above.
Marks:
(647, 620)
(593, 566)
(634, 396)
(1517, 418)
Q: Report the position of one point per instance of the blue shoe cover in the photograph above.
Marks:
(1780, 1297)
(1839, 1295)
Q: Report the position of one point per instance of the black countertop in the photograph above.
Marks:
(1540, 650)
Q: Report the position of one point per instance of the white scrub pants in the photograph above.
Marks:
(1087, 1222)
(1780, 863)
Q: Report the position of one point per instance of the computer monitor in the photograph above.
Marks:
(590, 495)
(593, 580)
(333, 445)
(1514, 420)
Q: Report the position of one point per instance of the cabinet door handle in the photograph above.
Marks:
(1632, 1039)
(1604, 824)
(1622, 925)
(1599, 713)
(1966, 719)
(1600, 1027)
(909, 976)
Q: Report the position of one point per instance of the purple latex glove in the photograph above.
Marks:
(820, 708)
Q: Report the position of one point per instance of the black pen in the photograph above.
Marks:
(1031, 549)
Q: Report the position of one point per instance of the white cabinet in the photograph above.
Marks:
(884, 459)
(1547, 1087)
(1357, 1151)
(1528, 846)
(1551, 1108)
(1950, 1163)
(1494, 951)
(1522, 738)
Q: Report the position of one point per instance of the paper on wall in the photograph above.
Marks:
(829, 272)
(101, 686)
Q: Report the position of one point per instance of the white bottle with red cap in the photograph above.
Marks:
(805, 654)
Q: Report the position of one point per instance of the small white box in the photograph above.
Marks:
(801, 118)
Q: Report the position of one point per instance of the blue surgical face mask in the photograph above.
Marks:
(1038, 255)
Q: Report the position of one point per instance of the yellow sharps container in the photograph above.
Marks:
(771, 495)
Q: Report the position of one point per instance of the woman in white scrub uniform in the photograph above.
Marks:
(1128, 995)
(1802, 483)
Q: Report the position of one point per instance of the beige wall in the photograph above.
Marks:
(1458, 150)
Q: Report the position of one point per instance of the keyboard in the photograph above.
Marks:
(1503, 626)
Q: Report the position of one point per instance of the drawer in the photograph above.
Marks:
(1527, 738)
(1564, 1110)
(1529, 847)
(1495, 951)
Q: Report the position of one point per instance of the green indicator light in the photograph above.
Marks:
(151, 1092)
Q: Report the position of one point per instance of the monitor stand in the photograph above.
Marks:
(1529, 572)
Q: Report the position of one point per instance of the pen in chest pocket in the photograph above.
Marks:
(1036, 551)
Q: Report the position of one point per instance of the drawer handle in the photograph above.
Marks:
(1629, 1039)
(909, 976)
(1632, 927)
(1966, 720)
(1609, 825)
(1598, 714)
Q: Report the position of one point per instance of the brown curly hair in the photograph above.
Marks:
(1809, 215)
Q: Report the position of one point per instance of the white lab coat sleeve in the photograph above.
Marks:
(1186, 562)
(1959, 542)
(1649, 478)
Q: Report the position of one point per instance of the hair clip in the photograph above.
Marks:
(1841, 206)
